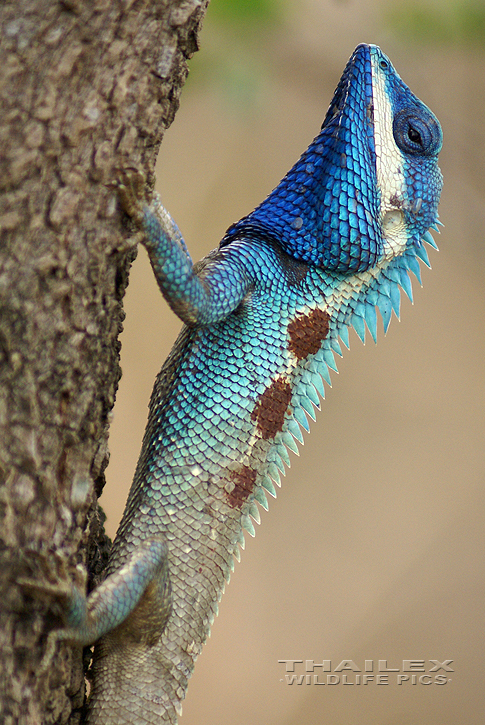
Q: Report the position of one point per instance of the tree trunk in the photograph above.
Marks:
(87, 86)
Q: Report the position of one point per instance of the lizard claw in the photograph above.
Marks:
(57, 582)
(131, 186)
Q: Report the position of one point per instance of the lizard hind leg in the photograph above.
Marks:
(133, 602)
(140, 596)
(125, 673)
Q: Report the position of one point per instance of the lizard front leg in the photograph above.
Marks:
(198, 294)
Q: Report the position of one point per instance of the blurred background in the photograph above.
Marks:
(374, 547)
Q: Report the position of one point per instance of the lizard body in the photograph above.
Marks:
(263, 316)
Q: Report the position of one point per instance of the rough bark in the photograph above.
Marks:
(86, 86)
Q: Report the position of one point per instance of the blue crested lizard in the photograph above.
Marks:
(263, 316)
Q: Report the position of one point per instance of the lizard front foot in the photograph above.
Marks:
(132, 190)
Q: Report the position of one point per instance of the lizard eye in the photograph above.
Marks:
(417, 132)
(414, 136)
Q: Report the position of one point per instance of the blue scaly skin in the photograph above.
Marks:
(263, 316)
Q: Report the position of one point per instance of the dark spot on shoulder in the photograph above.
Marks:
(270, 409)
(243, 479)
(395, 201)
(307, 332)
(241, 309)
(294, 270)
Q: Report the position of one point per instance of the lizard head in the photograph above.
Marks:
(368, 186)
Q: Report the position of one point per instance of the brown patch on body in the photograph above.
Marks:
(269, 411)
(307, 333)
(243, 479)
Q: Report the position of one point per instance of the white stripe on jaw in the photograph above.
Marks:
(389, 168)
(391, 183)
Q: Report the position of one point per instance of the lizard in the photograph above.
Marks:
(264, 315)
